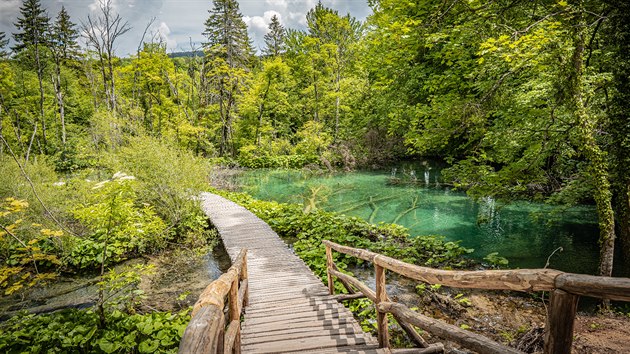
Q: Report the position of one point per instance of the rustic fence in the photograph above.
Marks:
(565, 289)
(207, 331)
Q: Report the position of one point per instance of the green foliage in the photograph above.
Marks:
(24, 262)
(309, 229)
(77, 331)
(495, 260)
(118, 228)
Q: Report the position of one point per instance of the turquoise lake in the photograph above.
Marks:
(524, 233)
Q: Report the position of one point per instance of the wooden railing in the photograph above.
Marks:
(207, 332)
(565, 290)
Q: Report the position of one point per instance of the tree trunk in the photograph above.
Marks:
(588, 147)
(60, 103)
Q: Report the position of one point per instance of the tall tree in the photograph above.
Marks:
(3, 43)
(617, 38)
(30, 42)
(102, 34)
(335, 36)
(228, 53)
(274, 39)
(64, 49)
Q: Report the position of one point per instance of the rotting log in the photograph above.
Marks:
(610, 288)
(560, 320)
(465, 338)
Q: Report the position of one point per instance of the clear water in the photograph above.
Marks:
(525, 233)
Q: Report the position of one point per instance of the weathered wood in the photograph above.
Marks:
(560, 320)
(242, 295)
(465, 338)
(329, 266)
(430, 349)
(215, 293)
(381, 317)
(411, 332)
(356, 252)
(516, 279)
(204, 333)
(369, 293)
(244, 280)
(232, 341)
(235, 318)
(287, 308)
(344, 297)
(611, 288)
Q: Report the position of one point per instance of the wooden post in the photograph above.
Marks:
(559, 328)
(381, 317)
(329, 266)
(235, 314)
(245, 276)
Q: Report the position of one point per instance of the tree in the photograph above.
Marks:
(274, 39)
(64, 49)
(30, 41)
(3, 44)
(334, 38)
(228, 52)
(102, 33)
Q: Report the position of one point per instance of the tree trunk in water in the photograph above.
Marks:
(587, 145)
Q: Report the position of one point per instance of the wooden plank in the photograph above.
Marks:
(291, 335)
(381, 316)
(288, 307)
(287, 346)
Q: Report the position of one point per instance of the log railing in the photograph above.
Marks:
(565, 290)
(207, 332)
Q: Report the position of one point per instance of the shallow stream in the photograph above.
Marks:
(527, 234)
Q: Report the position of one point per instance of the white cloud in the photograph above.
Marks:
(164, 32)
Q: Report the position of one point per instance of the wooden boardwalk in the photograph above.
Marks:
(289, 308)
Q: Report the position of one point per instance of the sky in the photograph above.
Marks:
(178, 22)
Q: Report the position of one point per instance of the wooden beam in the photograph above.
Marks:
(344, 297)
(515, 279)
(381, 317)
(560, 320)
(369, 293)
(329, 266)
(465, 338)
(204, 333)
(430, 349)
(594, 286)
(232, 338)
(356, 252)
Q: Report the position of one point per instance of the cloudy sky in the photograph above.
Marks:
(180, 21)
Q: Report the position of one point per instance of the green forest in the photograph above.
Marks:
(102, 156)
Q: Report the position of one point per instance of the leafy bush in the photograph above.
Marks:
(169, 179)
(78, 331)
(118, 227)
